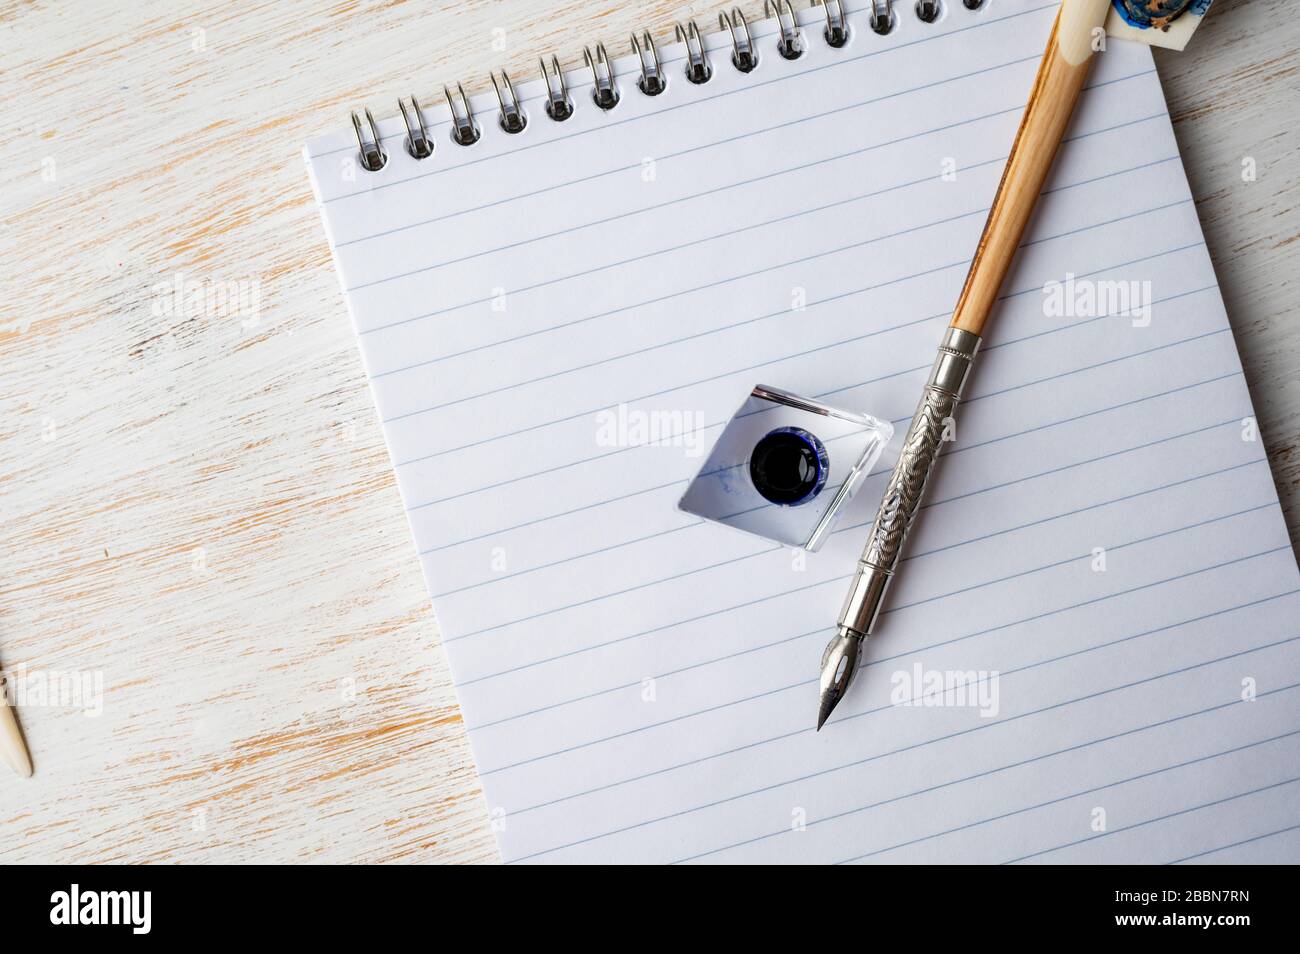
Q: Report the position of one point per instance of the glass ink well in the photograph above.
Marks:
(785, 466)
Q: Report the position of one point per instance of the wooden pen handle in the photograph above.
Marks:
(1051, 103)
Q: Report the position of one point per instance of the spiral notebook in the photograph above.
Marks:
(557, 321)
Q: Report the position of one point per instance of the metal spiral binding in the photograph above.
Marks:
(790, 43)
(558, 105)
(373, 156)
(743, 56)
(418, 143)
(698, 69)
(605, 93)
(513, 119)
(464, 130)
(652, 82)
(837, 25)
(882, 16)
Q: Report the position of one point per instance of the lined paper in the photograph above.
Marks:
(1104, 534)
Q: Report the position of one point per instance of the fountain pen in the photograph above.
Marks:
(1056, 89)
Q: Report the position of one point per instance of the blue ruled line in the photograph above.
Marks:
(547, 236)
(695, 196)
(894, 608)
(780, 313)
(1235, 844)
(771, 175)
(1003, 768)
(824, 394)
(804, 731)
(730, 609)
(917, 745)
(839, 203)
(1082, 792)
(729, 657)
(1158, 818)
(696, 523)
(637, 730)
(742, 276)
(735, 371)
(769, 549)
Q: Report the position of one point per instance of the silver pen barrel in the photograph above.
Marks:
(931, 425)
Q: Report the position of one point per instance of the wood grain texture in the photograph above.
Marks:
(200, 509)
(1065, 66)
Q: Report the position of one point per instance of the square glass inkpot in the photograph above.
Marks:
(785, 466)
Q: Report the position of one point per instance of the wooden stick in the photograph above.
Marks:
(1051, 103)
(12, 747)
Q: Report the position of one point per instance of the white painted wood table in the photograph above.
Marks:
(198, 508)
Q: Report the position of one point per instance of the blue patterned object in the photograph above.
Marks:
(1144, 14)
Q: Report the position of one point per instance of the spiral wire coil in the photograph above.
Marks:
(653, 79)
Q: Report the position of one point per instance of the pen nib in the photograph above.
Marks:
(839, 664)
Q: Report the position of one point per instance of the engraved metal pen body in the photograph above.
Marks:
(932, 421)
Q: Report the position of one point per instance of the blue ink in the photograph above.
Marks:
(788, 467)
